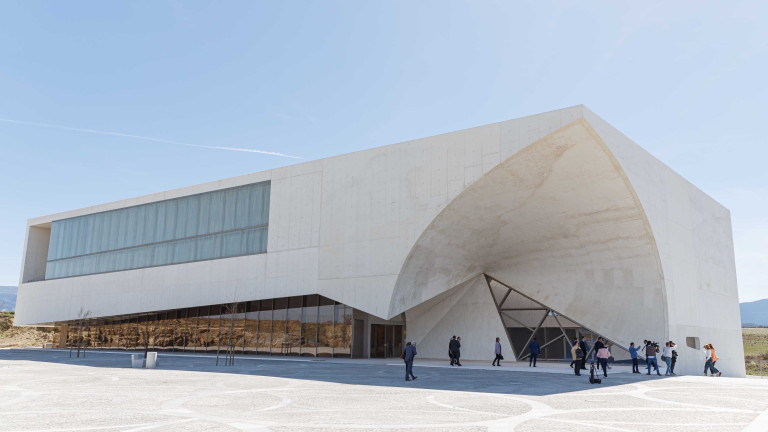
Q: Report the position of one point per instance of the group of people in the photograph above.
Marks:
(710, 358)
(579, 353)
(651, 349)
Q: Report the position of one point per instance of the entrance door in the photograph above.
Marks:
(359, 336)
(386, 340)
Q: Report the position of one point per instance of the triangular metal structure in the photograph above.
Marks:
(526, 318)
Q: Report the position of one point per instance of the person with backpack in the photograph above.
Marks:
(409, 353)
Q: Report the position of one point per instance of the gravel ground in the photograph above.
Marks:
(46, 390)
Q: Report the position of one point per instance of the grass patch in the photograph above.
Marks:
(755, 350)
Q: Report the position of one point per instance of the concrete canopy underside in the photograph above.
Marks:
(560, 222)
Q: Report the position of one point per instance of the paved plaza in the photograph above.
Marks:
(46, 390)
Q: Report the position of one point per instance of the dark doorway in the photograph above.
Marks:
(386, 340)
(359, 336)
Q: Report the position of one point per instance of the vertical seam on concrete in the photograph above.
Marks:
(646, 222)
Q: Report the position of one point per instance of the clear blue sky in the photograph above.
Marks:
(685, 80)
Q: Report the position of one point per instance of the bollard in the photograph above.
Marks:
(137, 362)
(151, 360)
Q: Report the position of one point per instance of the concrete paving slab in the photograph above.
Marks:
(46, 390)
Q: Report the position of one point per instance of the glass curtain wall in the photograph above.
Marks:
(219, 224)
(309, 326)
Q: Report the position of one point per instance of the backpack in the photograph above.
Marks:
(579, 353)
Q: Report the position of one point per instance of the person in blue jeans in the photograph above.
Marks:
(534, 349)
(408, 355)
(650, 354)
(633, 354)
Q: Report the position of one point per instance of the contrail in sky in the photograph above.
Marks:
(98, 132)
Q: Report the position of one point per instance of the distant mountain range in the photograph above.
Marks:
(8, 298)
(754, 313)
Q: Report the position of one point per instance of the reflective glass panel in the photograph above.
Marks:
(218, 224)
(325, 328)
(279, 343)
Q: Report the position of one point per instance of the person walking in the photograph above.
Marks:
(707, 359)
(674, 358)
(497, 351)
(650, 355)
(408, 355)
(715, 358)
(599, 344)
(451, 347)
(633, 355)
(585, 350)
(576, 355)
(533, 350)
(711, 359)
(602, 358)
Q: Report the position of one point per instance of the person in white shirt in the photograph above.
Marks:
(666, 355)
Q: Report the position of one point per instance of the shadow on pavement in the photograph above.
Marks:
(353, 372)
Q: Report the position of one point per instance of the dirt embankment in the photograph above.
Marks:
(22, 337)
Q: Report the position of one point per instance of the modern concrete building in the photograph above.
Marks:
(553, 225)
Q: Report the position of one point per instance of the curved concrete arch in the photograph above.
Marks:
(561, 223)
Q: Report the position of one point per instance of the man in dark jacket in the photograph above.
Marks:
(408, 356)
(585, 350)
(457, 351)
(454, 349)
(534, 349)
(451, 343)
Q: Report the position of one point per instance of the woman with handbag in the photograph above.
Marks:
(499, 357)
(666, 355)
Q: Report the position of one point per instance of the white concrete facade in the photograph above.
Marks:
(561, 206)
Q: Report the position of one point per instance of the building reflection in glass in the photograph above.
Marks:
(309, 326)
